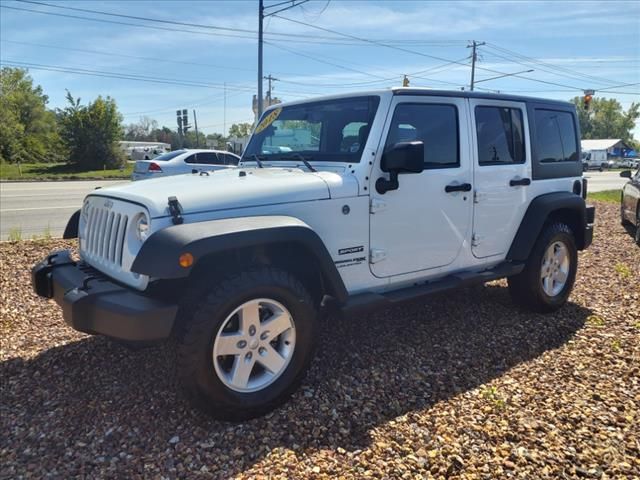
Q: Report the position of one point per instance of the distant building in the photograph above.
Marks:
(612, 147)
(143, 150)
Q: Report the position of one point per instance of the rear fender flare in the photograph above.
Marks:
(539, 211)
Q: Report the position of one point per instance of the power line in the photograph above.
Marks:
(406, 50)
(248, 33)
(121, 76)
(319, 60)
(618, 86)
(159, 20)
(122, 55)
(151, 27)
(197, 103)
(569, 73)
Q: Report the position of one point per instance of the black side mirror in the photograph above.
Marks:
(403, 157)
(625, 174)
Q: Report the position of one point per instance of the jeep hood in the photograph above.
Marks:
(232, 188)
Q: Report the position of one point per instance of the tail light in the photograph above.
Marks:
(154, 168)
(584, 188)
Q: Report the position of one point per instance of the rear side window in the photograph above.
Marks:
(433, 124)
(169, 155)
(207, 158)
(555, 136)
(229, 159)
(500, 135)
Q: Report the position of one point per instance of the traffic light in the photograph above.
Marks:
(405, 81)
(179, 119)
(586, 100)
(185, 121)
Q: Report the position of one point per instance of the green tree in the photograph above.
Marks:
(240, 130)
(217, 140)
(190, 140)
(142, 131)
(28, 131)
(91, 133)
(606, 119)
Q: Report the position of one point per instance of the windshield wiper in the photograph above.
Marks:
(296, 155)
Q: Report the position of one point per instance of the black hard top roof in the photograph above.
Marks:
(469, 94)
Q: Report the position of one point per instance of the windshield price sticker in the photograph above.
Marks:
(268, 120)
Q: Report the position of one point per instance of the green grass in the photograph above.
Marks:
(15, 235)
(611, 196)
(58, 171)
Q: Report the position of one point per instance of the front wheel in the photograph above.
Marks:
(550, 272)
(247, 344)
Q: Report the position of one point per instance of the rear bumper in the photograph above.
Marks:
(588, 229)
(91, 303)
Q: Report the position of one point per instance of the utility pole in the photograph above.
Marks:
(261, 16)
(260, 21)
(195, 122)
(224, 112)
(474, 57)
(271, 79)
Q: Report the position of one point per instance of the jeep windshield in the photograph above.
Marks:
(330, 130)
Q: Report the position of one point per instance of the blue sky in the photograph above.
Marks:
(571, 45)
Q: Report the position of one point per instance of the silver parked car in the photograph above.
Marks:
(183, 161)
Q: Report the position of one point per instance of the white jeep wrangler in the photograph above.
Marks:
(341, 202)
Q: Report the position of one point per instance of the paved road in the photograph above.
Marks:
(31, 207)
(599, 181)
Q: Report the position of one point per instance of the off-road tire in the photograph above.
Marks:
(195, 338)
(638, 225)
(526, 288)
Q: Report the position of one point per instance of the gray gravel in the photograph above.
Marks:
(461, 385)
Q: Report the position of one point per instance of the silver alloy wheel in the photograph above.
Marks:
(555, 268)
(254, 345)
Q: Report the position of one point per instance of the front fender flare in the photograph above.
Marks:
(71, 230)
(158, 257)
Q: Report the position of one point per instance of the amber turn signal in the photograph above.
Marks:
(186, 260)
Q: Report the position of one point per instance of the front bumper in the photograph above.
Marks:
(91, 303)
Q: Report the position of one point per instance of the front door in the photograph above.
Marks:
(502, 173)
(423, 224)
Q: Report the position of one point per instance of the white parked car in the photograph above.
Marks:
(183, 161)
(382, 197)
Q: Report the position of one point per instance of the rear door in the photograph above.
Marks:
(502, 173)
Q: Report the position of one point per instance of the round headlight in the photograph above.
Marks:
(142, 227)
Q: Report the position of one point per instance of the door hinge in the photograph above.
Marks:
(377, 205)
(476, 240)
(478, 196)
(376, 255)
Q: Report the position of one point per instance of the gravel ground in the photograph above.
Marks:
(461, 385)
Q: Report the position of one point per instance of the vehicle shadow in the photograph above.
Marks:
(107, 402)
(631, 230)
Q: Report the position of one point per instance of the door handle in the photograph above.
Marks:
(515, 182)
(463, 187)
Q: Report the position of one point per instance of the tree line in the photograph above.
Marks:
(148, 130)
(86, 135)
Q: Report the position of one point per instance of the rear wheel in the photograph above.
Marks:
(247, 344)
(549, 274)
(638, 225)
